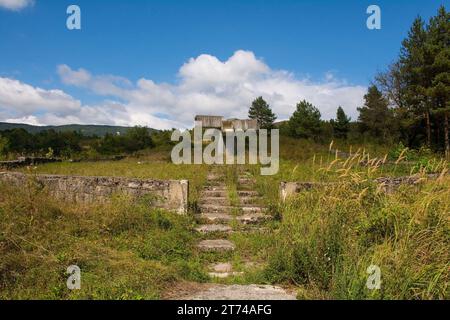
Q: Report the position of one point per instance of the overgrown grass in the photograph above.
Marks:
(303, 160)
(321, 241)
(330, 236)
(125, 250)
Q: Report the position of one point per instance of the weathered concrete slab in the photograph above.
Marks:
(252, 209)
(223, 270)
(215, 217)
(222, 275)
(222, 201)
(242, 292)
(215, 188)
(212, 208)
(247, 193)
(249, 200)
(213, 193)
(246, 181)
(253, 218)
(213, 228)
(219, 245)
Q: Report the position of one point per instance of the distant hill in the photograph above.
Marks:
(87, 130)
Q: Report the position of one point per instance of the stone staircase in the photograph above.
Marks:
(216, 211)
(215, 216)
(215, 222)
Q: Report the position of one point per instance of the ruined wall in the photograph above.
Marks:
(389, 184)
(210, 121)
(238, 124)
(226, 124)
(167, 194)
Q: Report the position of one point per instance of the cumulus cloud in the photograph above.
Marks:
(205, 85)
(15, 5)
(23, 103)
(102, 85)
(21, 98)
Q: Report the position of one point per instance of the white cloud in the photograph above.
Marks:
(20, 102)
(15, 5)
(68, 76)
(205, 85)
(103, 85)
(21, 98)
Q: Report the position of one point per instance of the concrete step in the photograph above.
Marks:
(214, 218)
(219, 245)
(253, 218)
(214, 193)
(220, 201)
(247, 193)
(215, 188)
(222, 270)
(250, 200)
(245, 187)
(222, 275)
(241, 292)
(246, 180)
(252, 209)
(213, 228)
(212, 208)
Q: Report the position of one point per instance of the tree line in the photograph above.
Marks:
(18, 141)
(407, 103)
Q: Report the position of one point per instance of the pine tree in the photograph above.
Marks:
(305, 121)
(262, 112)
(375, 117)
(413, 59)
(438, 50)
(341, 125)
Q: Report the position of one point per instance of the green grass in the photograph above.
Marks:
(320, 242)
(330, 236)
(125, 250)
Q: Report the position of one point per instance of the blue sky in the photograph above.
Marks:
(126, 64)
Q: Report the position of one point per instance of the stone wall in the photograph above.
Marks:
(389, 184)
(167, 194)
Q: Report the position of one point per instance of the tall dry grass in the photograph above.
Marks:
(330, 235)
